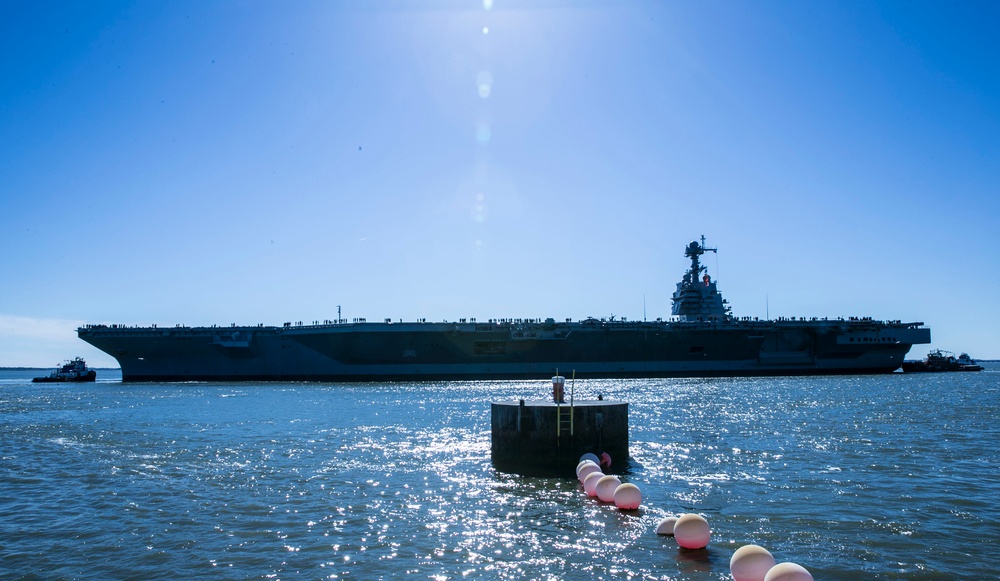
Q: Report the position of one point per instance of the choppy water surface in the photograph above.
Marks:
(886, 477)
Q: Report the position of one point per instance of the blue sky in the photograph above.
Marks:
(261, 162)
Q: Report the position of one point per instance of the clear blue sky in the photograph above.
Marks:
(261, 162)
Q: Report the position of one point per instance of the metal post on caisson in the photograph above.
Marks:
(572, 387)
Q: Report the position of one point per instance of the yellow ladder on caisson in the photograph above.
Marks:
(564, 412)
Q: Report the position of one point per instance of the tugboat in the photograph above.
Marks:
(938, 360)
(968, 363)
(72, 371)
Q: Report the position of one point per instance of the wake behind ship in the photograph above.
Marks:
(702, 339)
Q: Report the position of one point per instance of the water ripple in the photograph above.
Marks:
(852, 476)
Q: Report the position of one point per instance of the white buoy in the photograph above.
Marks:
(627, 496)
(788, 572)
(691, 531)
(582, 464)
(606, 488)
(750, 563)
(590, 483)
(666, 526)
(590, 456)
(588, 469)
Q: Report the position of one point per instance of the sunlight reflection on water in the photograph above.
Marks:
(848, 476)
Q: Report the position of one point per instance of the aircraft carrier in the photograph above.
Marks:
(701, 339)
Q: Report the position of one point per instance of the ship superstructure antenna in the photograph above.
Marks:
(697, 298)
(694, 251)
(716, 264)
(706, 248)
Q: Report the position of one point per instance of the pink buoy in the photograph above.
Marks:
(605, 460)
(606, 488)
(750, 563)
(628, 496)
(588, 469)
(788, 572)
(691, 531)
(666, 526)
(590, 483)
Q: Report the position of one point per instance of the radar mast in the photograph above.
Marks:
(696, 300)
(694, 252)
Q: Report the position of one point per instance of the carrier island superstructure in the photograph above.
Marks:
(701, 339)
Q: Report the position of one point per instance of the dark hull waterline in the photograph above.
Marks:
(443, 351)
(485, 377)
(89, 377)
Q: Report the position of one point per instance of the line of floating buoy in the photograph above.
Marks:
(755, 563)
(690, 530)
(606, 487)
(748, 563)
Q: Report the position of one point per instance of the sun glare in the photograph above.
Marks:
(485, 82)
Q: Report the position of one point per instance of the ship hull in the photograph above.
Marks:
(89, 376)
(506, 350)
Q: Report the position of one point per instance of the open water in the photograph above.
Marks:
(874, 477)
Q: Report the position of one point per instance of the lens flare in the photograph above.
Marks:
(484, 81)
